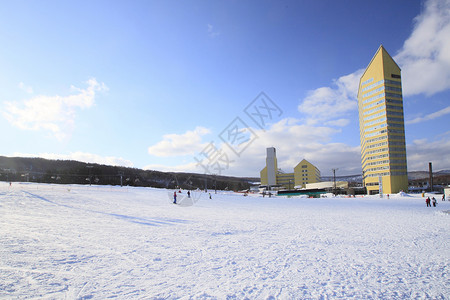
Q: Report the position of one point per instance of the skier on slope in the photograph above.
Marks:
(428, 201)
(175, 197)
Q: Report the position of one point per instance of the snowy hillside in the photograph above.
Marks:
(81, 242)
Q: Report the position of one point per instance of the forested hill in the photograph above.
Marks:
(75, 172)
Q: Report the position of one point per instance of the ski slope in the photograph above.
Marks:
(81, 242)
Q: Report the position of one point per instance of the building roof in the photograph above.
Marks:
(382, 50)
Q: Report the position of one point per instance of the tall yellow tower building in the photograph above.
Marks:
(381, 125)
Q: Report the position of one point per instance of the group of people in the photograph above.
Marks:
(433, 201)
(428, 201)
(264, 194)
(175, 196)
(188, 194)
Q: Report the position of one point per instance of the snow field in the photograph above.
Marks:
(80, 242)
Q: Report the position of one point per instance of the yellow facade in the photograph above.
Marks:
(304, 173)
(263, 175)
(381, 123)
(286, 180)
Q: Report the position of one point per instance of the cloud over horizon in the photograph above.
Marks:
(52, 113)
(212, 32)
(81, 156)
(27, 89)
(422, 151)
(332, 103)
(313, 145)
(187, 143)
(425, 55)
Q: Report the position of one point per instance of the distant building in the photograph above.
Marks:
(304, 173)
(381, 125)
(328, 185)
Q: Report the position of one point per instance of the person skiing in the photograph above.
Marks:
(443, 197)
(428, 202)
(175, 197)
(434, 201)
(189, 194)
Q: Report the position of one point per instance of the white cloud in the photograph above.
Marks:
(331, 103)
(25, 88)
(425, 55)
(187, 143)
(211, 32)
(431, 116)
(420, 152)
(81, 156)
(293, 140)
(338, 123)
(85, 97)
(52, 113)
(189, 168)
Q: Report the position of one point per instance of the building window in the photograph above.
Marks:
(373, 92)
(367, 81)
(393, 82)
(372, 86)
(395, 76)
(373, 98)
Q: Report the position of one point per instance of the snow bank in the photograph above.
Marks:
(79, 242)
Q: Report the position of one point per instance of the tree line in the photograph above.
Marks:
(23, 169)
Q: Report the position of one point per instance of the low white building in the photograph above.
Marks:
(327, 185)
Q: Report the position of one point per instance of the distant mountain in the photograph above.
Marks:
(349, 178)
(75, 172)
(413, 175)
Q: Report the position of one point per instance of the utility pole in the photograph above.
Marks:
(363, 185)
(430, 170)
(90, 168)
(121, 175)
(334, 179)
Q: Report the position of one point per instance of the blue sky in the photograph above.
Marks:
(159, 84)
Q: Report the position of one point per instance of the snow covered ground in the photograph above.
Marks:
(81, 242)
